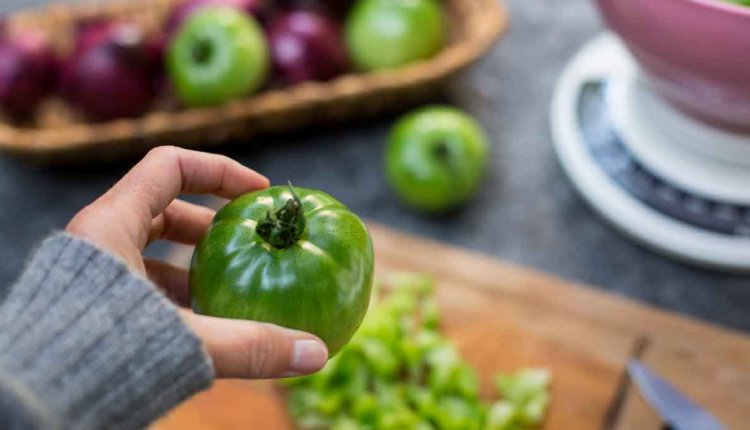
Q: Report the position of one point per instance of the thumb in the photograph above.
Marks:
(253, 350)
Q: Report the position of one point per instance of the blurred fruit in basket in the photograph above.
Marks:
(213, 51)
(306, 44)
(383, 34)
(27, 71)
(91, 32)
(436, 157)
(258, 9)
(218, 54)
(95, 31)
(112, 71)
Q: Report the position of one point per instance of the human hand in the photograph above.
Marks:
(143, 207)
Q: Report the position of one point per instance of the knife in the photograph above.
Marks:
(677, 411)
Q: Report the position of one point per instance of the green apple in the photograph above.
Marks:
(218, 54)
(436, 157)
(382, 34)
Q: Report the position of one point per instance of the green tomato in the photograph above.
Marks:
(401, 418)
(331, 403)
(456, 413)
(532, 413)
(366, 408)
(380, 358)
(436, 157)
(219, 54)
(382, 34)
(522, 386)
(297, 258)
(422, 399)
(345, 423)
(501, 416)
(430, 315)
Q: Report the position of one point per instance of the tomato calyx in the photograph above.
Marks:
(283, 227)
(202, 52)
(442, 154)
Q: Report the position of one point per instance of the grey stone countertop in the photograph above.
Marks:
(527, 212)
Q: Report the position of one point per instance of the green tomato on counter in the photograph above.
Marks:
(382, 34)
(219, 54)
(436, 157)
(294, 257)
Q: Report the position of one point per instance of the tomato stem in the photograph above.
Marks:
(442, 153)
(284, 226)
(202, 51)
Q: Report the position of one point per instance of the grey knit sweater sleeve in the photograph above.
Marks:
(87, 344)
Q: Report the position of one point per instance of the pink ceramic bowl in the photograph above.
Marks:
(696, 53)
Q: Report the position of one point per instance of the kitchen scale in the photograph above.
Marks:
(673, 183)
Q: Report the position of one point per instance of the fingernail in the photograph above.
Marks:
(308, 356)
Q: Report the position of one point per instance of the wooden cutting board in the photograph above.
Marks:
(504, 317)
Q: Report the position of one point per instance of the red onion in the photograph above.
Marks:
(92, 32)
(306, 45)
(112, 71)
(27, 72)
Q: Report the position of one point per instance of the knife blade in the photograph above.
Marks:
(612, 416)
(676, 410)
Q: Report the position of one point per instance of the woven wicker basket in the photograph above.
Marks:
(58, 134)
